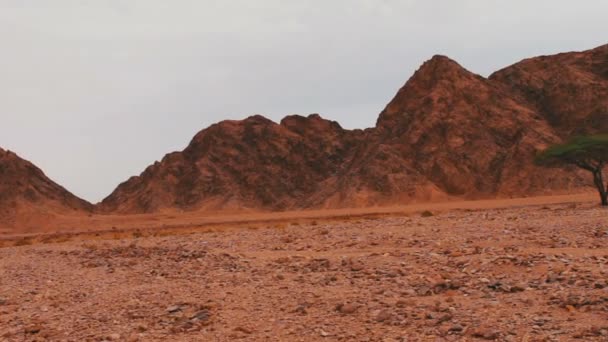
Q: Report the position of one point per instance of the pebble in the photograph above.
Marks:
(383, 315)
(347, 308)
(486, 333)
(174, 308)
(456, 328)
(114, 337)
(243, 330)
(202, 315)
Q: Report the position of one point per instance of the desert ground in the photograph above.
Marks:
(509, 270)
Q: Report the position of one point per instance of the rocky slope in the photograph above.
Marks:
(468, 135)
(252, 163)
(447, 133)
(27, 195)
(301, 162)
(569, 90)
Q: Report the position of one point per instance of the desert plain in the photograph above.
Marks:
(507, 270)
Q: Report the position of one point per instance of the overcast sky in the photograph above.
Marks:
(93, 91)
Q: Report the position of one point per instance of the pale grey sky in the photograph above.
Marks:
(94, 91)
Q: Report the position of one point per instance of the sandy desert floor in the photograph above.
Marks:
(515, 273)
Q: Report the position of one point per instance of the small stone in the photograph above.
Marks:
(174, 308)
(356, 266)
(301, 309)
(324, 333)
(426, 213)
(383, 315)
(517, 288)
(424, 291)
(456, 328)
(34, 329)
(445, 318)
(346, 308)
(409, 292)
(243, 330)
(401, 303)
(486, 334)
(114, 337)
(202, 315)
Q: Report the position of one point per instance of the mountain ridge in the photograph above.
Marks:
(447, 133)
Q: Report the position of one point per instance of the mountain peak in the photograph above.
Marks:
(442, 59)
(257, 118)
(438, 79)
(440, 66)
(299, 123)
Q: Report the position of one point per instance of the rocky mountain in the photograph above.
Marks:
(448, 133)
(569, 90)
(27, 195)
(251, 163)
(468, 135)
(301, 162)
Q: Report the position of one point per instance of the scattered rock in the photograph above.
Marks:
(456, 328)
(301, 309)
(426, 213)
(201, 316)
(486, 333)
(383, 315)
(174, 308)
(114, 337)
(243, 330)
(347, 308)
(33, 329)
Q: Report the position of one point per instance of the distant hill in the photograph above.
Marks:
(27, 196)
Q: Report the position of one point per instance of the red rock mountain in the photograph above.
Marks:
(249, 163)
(256, 163)
(447, 133)
(468, 135)
(27, 195)
(569, 90)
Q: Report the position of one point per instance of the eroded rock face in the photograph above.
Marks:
(26, 191)
(468, 135)
(569, 90)
(250, 163)
(447, 133)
